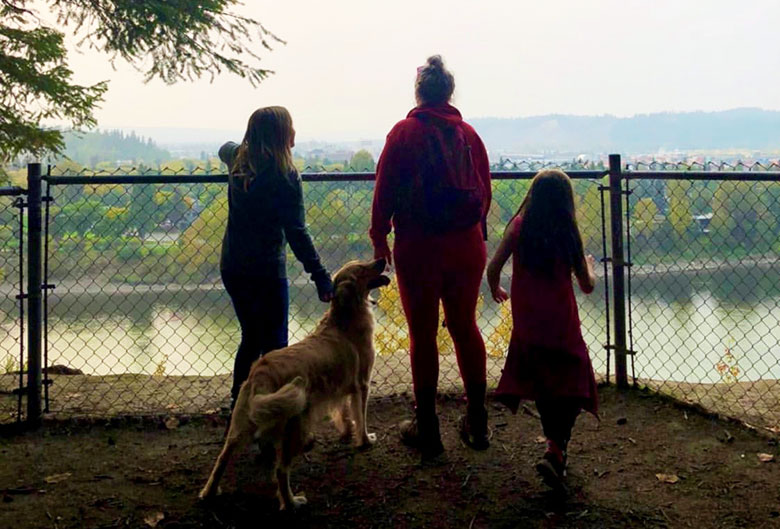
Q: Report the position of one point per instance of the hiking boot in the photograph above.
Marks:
(473, 426)
(474, 430)
(422, 435)
(552, 467)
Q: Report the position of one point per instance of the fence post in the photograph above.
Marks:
(34, 280)
(618, 269)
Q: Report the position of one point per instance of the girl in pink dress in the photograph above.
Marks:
(548, 360)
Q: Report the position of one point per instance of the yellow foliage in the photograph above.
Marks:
(498, 341)
(644, 217)
(101, 190)
(18, 177)
(115, 212)
(727, 367)
(159, 371)
(679, 206)
(392, 334)
(161, 197)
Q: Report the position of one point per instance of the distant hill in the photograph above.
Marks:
(91, 148)
(744, 128)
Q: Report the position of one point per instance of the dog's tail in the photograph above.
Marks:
(265, 411)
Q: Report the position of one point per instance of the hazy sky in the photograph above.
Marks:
(348, 69)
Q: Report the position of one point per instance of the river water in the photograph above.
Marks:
(684, 326)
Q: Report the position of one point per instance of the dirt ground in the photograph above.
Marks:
(135, 473)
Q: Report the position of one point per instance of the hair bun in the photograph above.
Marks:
(434, 83)
(435, 62)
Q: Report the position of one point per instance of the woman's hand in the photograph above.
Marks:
(324, 286)
(385, 253)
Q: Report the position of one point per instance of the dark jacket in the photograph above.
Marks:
(260, 222)
(406, 149)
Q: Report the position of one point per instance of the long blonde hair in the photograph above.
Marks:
(265, 149)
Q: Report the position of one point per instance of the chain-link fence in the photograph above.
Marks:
(12, 359)
(138, 321)
(705, 285)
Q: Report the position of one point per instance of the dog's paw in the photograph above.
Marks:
(367, 441)
(209, 493)
(296, 502)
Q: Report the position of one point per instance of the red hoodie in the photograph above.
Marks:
(404, 151)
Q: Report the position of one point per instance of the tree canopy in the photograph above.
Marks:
(170, 40)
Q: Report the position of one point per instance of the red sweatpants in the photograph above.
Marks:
(449, 268)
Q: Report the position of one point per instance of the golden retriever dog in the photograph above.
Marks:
(328, 372)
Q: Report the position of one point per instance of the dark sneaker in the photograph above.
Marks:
(475, 432)
(427, 440)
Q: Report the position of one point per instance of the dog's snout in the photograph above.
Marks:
(380, 264)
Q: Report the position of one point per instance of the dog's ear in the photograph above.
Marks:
(345, 295)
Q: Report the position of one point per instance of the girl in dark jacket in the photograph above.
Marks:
(439, 247)
(265, 211)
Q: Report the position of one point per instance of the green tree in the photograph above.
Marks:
(362, 161)
(679, 213)
(143, 212)
(739, 216)
(589, 218)
(76, 217)
(173, 41)
(200, 243)
(644, 218)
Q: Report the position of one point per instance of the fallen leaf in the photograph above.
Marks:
(632, 441)
(667, 478)
(171, 423)
(56, 478)
(171, 406)
(765, 458)
(153, 519)
(211, 411)
(541, 439)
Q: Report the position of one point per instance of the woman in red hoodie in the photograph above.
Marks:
(433, 183)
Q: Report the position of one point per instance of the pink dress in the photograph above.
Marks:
(547, 357)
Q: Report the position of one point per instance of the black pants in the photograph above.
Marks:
(558, 417)
(262, 306)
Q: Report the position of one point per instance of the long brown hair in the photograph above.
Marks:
(265, 149)
(548, 228)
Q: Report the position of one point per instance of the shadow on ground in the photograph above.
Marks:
(147, 475)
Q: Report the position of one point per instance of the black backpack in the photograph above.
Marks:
(450, 195)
